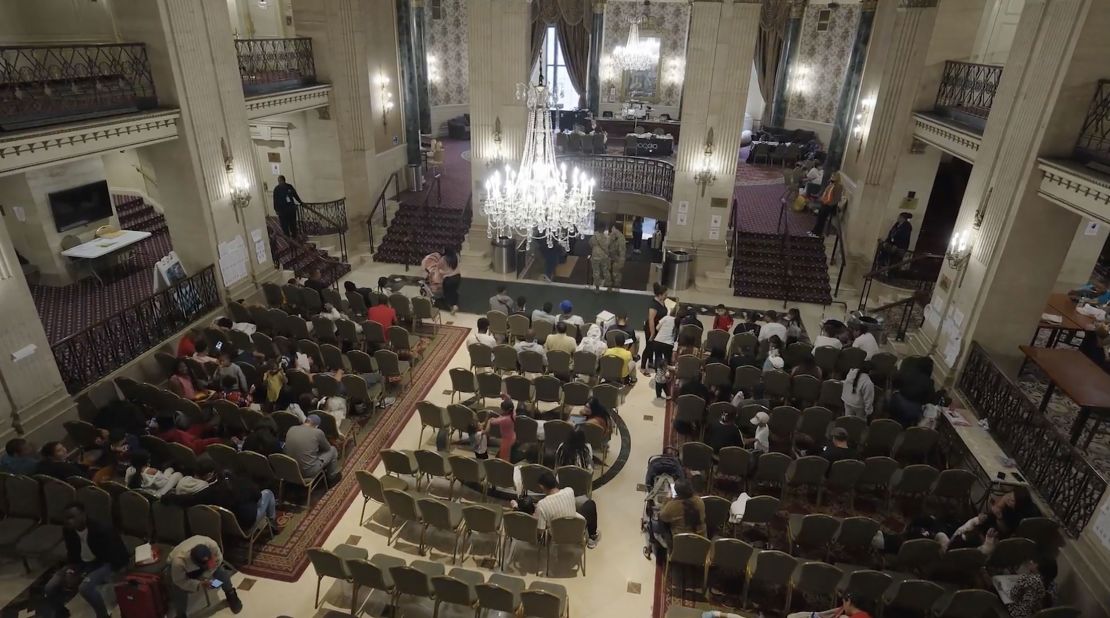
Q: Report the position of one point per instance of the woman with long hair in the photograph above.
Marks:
(576, 451)
(858, 393)
(598, 414)
(656, 311)
(685, 512)
(506, 423)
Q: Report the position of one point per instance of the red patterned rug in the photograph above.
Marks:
(284, 558)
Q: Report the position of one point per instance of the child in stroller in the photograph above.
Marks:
(663, 471)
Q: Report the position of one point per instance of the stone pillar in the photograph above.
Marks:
(891, 77)
(192, 54)
(719, 56)
(355, 47)
(593, 84)
(789, 46)
(498, 43)
(1020, 239)
(420, 53)
(849, 91)
(33, 400)
(410, 80)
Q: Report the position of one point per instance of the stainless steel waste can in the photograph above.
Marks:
(416, 177)
(678, 269)
(502, 255)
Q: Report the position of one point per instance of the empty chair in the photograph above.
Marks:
(479, 519)
(505, 359)
(169, 523)
(954, 485)
(518, 527)
(442, 516)
(585, 364)
(913, 481)
(849, 359)
(687, 550)
(22, 507)
(877, 473)
(578, 479)
(854, 536)
(467, 470)
(761, 511)
(41, 540)
(458, 588)
(231, 529)
(530, 476)
(917, 556)
(205, 520)
(559, 362)
(499, 473)
(807, 472)
(880, 437)
(1011, 553)
(777, 384)
(391, 366)
(333, 564)
(570, 530)
(914, 444)
(728, 560)
(500, 593)
(97, 503)
(690, 413)
(518, 388)
(545, 600)
(854, 425)
(843, 477)
(866, 584)
(717, 374)
(770, 469)
(398, 462)
(423, 309)
(1041, 530)
(609, 396)
(733, 462)
(967, 604)
(257, 467)
(490, 386)
(912, 595)
(687, 367)
(531, 362)
(814, 424)
(716, 515)
(814, 531)
(403, 508)
(463, 419)
(374, 573)
(463, 382)
(805, 389)
(372, 488)
(135, 524)
(746, 377)
(548, 389)
(959, 566)
(433, 464)
(698, 457)
(814, 580)
(772, 570)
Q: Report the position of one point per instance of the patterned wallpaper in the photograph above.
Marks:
(820, 67)
(670, 21)
(445, 40)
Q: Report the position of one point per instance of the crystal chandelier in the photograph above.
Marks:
(540, 199)
(636, 54)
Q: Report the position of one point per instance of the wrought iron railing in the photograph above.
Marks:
(52, 84)
(325, 219)
(917, 271)
(1058, 471)
(380, 205)
(273, 65)
(87, 356)
(641, 175)
(968, 89)
(1094, 139)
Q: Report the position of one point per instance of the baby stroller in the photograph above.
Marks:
(432, 285)
(663, 471)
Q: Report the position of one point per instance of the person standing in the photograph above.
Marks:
(637, 234)
(618, 250)
(452, 278)
(93, 552)
(656, 311)
(897, 241)
(830, 201)
(286, 201)
(599, 258)
(194, 564)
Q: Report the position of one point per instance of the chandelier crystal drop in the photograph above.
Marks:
(540, 199)
(636, 54)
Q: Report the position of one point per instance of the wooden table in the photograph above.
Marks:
(617, 128)
(1078, 377)
(1070, 320)
(974, 447)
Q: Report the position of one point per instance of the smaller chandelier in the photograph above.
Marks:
(636, 54)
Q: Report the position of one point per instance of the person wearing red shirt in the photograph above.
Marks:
(381, 313)
(170, 433)
(849, 608)
(722, 319)
(187, 346)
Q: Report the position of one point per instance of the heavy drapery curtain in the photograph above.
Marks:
(768, 49)
(573, 20)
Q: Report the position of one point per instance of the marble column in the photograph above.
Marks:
(192, 54)
(719, 55)
(410, 81)
(420, 53)
(593, 84)
(498, 44)
(849, 91)
(1019, 238)
(881, 118)
(789, 48)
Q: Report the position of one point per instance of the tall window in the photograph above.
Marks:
(555, 74)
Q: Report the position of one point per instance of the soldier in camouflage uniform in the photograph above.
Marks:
(607, 255)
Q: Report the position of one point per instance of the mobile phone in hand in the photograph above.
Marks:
(216, 583)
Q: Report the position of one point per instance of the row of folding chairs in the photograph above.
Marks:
(486, 474)
(412, 310)
(458, 419)
(814, 585)
(422, 579)
(504, 359)
(541, 389)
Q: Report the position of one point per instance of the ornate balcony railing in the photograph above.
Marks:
(1094, 139)
(652, 177)
(87, 356)
(53, 84)
(1059, 472)
(967, 91)
(325, 219)
(273, 65)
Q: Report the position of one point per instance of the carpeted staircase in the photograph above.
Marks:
(135, 213)
(302, 257)
(413, 234)
(759, 269)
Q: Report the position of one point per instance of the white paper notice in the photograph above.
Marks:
(951, 351)
(256, 235)
(684, 207)
(932, 316)
(259, 246)
(234, 264)
(1091, 229)
(957, 316)
(275, 168)
(714, 234)
(715, 221)
(680, 218)
(950, 330)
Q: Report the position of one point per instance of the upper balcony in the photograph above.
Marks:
(1081, 183)
(622, 174)
(275, 65)
(966, 94)
(43, 85)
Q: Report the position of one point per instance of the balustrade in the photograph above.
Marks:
(273, 65)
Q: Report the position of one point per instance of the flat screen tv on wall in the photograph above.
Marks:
(80, 205)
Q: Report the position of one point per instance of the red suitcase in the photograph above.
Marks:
(142, 595)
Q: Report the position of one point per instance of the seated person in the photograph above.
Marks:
(481, 334)
(748, 323)
(237, 494)
(226, 323)
(197, 480)
(55, 462)
(19, 458)
(263, 438)
(576, 451)
(379, 311)
(307, 444)
(865, 341)
(563, 503)
(685, 513)
(544, 314)
(522, 308)
(838, 448)
(141, 476)
(201, 355)
(192, 438)
(349, 286)
(276, 383)
(229, 390)
(94, 553)
(1010, 508)
(723, 432)
(722, 319)
(620, 349)
(560, 340)
(183, 385)
(187, 345)
(229, 369)
(315, 281)
(593, 342)
(1035, 585)
(851, 606)
(566, 314)
(828, 336)
(597, 414)
(501, 301)
(193, 565)
(625, 327)
(529, 344)
(772, 327)
(807, 366)
(1095, 292)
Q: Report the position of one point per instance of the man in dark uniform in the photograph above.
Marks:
(897, 241)
(285, 205)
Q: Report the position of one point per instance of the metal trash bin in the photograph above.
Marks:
(416, 177)
(874, 324)
(678, 269)
(502, 255)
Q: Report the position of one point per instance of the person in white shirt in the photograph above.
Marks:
(558, 503)
(662, 346)
(826, 338)
(567, 314)
(529, 344)
(858, 392)
(482, 335)
(772, 327)
(544, 314)
(866, 342)
(593, 342)
(762, 440)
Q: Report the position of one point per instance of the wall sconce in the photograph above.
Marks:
(705, 175)
(799, 81)
(496, 159)
(433, 69)
(673, 71)
(959, 249)
(861, 121)
(606, 72)
(240, 193)
(386, 97)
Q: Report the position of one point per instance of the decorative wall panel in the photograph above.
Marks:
(445, 38)
(824, 48)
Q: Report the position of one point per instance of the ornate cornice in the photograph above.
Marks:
(1074, 187)
(961, 144)
(36, 148)
(917, 4)
(289, 101)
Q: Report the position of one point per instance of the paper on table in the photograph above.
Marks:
(1004, 584)
(144, 553)
(1051, 318)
